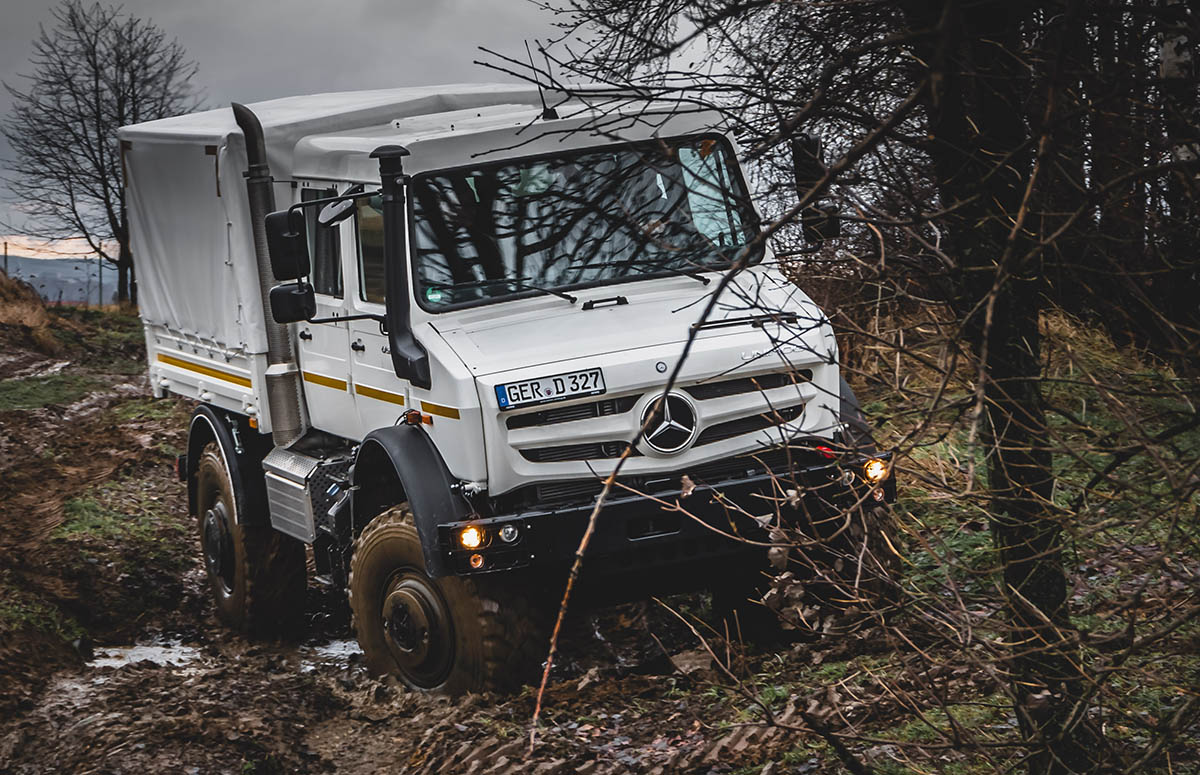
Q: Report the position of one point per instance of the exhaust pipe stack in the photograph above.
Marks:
(283, 384)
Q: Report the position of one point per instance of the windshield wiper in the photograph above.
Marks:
(675, 271)
(520, 282)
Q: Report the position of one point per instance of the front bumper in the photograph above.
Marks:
(666, 531)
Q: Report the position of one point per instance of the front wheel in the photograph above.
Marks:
(450, 635)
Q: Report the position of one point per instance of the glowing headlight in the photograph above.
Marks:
(875, 470)
(471, 537)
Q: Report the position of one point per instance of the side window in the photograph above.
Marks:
(324, 247)
(368, 218)
(705, 177)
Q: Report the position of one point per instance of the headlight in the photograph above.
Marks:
(471, 537)
(875, 470)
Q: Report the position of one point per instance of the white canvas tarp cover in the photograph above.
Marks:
(191, 236)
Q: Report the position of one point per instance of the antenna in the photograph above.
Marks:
(547, 113)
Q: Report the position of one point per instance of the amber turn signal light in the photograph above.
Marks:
(471, 537)
(875, 470)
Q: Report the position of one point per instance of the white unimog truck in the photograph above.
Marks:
(423, 324)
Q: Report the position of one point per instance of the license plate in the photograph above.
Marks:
(543, 390)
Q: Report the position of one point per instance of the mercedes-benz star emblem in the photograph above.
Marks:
(676, 427)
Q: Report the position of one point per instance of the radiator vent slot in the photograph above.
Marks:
(744, 425)
(604, 408)
(733, 387)
(605, 450)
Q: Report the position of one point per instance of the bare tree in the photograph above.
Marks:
(997, 164)
(95, 69)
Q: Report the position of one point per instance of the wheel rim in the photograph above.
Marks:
(218, 548)
(416, 627)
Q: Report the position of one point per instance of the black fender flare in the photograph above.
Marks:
(402, 463)
(240, 447)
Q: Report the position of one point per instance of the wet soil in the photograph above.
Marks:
(111, 660)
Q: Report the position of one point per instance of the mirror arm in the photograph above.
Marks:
(331, 199)
(365, 316)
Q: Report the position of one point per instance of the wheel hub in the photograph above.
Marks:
(416, 627)
(218, 546)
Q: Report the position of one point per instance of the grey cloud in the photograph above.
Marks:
(250, 50)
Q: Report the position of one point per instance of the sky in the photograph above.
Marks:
(250, 50)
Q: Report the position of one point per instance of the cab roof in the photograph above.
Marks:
(331, 136)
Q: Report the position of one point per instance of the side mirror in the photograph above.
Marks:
(806, 162)
(293, 302)
(287, 242)
(819, 222)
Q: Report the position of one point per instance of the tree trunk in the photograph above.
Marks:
(977, 106)
(124, 275)
(1046, 667)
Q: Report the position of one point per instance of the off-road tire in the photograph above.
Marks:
(261, 592)
(498, 630)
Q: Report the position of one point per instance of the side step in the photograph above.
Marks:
(301, 490)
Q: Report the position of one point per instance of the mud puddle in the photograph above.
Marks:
(328, 657)
(167, 653)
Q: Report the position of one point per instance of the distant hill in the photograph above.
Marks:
(65, 280)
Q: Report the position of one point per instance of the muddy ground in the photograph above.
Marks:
(111, 660)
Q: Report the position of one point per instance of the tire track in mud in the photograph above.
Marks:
(51, 454)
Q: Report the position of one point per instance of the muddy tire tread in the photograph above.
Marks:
(275, 581)
(513, 627)
(272, 568)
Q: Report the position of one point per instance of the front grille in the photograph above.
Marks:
(743, 425)
(733, 387)
(604, 408)
(605, 450)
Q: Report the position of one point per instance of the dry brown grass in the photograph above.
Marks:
(22, 308)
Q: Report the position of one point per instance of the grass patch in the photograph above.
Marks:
(145, 409)
(134, 522)
(37, 392)
(111, 341)
(19, 611)
(86, 516)
(937, 724)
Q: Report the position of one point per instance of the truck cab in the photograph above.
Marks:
(430, 325)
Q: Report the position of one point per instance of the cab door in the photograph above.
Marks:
(380, 396)
(324, 347)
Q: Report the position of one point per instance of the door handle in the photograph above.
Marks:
(357, 346)
(305, 335)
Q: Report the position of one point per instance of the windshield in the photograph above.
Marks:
(578, 219)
